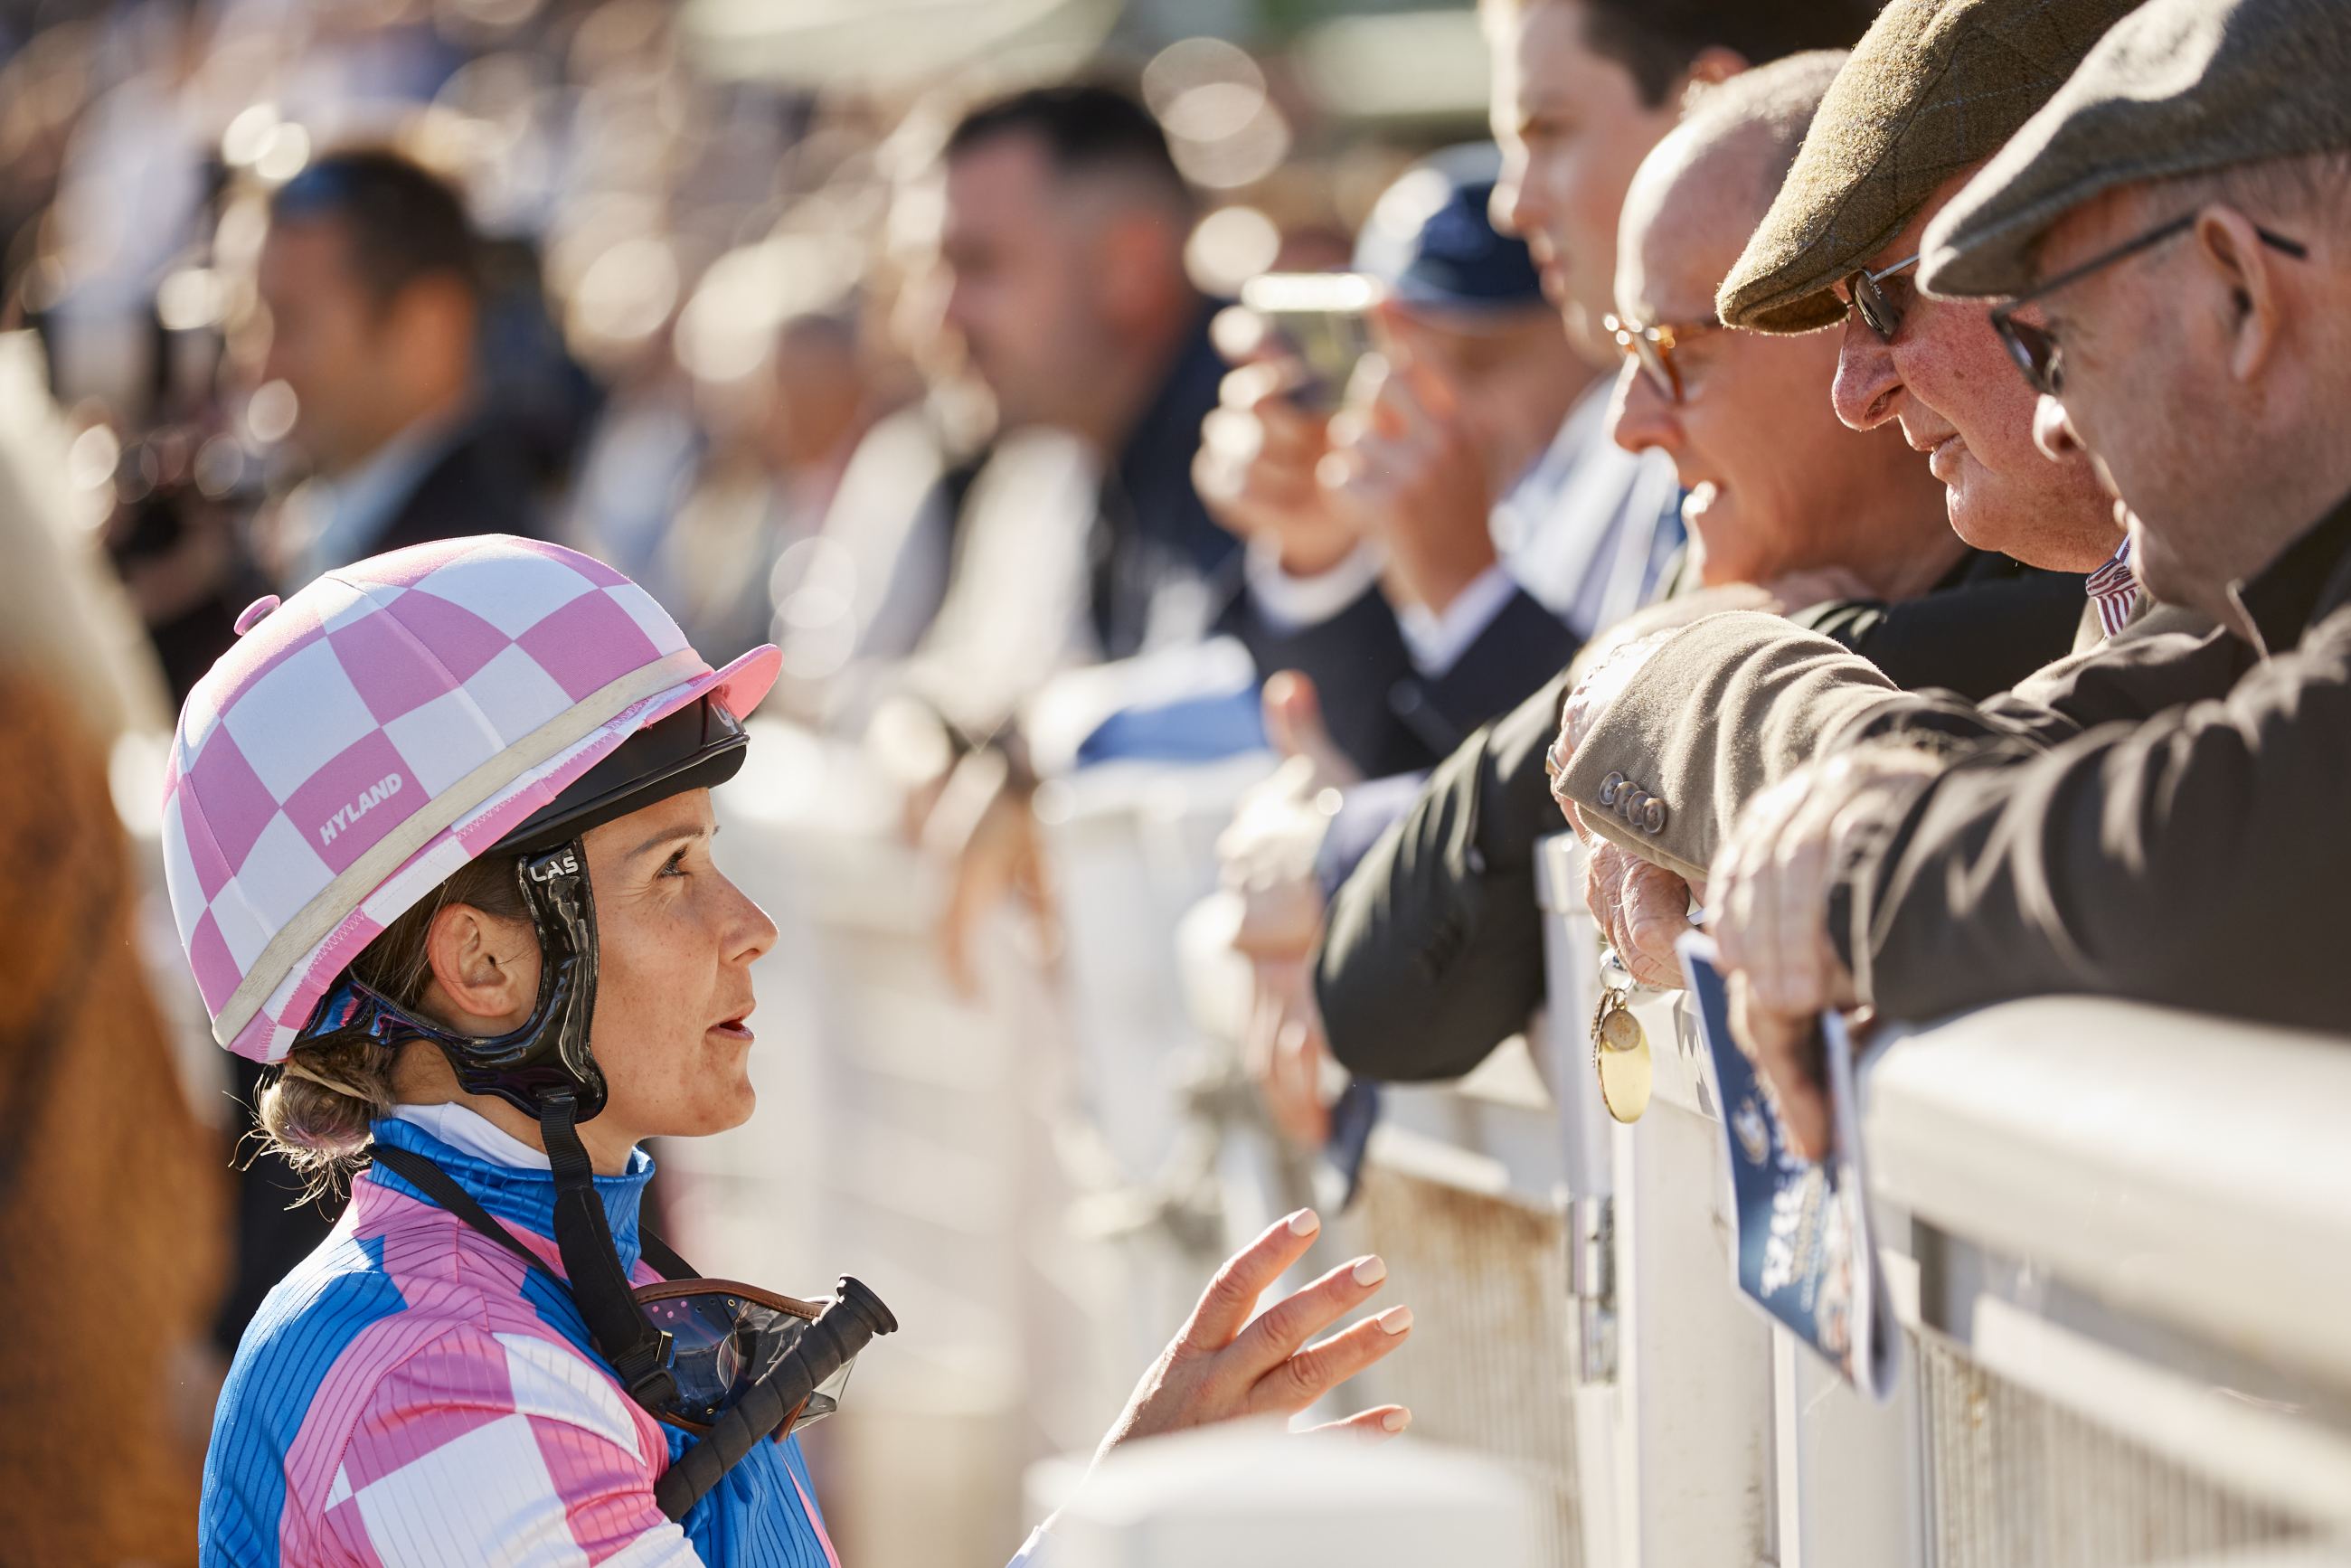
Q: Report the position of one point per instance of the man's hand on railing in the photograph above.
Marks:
(1614, 659)
(1767, 908)
(982, 829)
(1601, 685)
(1642, 908)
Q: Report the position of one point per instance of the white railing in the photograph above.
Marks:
(2119, 1241)
(2123, 1244)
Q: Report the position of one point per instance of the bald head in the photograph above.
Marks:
(1703, 190)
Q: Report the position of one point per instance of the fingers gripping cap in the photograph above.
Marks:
(379, 728)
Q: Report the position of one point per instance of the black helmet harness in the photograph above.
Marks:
(545, 1068)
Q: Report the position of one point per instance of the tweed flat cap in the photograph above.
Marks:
(1933, 86)
(2184, 87)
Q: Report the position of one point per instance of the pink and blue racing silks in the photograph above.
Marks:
(413, 1395)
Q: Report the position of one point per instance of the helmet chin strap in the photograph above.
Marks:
(624, 1336)
(563, 908)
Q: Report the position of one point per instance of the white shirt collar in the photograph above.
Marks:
(469, 1131)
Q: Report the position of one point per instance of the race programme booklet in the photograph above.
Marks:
(1802, 1246)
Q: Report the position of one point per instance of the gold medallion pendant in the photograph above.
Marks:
(1620, 1057)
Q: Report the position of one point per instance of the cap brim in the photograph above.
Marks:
(743, 683)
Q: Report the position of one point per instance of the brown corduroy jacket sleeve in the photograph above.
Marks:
(1737, 702)
(2122, 862)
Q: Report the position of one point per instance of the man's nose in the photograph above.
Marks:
(1515, 206)
(1502, 202)
(2053, 431)
(1867, 380)
(1641, 417)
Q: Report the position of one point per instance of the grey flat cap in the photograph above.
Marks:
(2180, 86)
(1933, 86)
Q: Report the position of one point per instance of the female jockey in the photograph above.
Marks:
(437, 831)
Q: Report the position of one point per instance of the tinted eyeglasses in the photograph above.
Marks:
(1880, 309)
(2036, 351)
(1653, 349)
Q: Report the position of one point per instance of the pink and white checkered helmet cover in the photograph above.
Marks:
(380, 728)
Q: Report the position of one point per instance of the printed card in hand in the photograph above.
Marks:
(1802, 1246)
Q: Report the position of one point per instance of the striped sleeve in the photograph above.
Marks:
(501, 1447)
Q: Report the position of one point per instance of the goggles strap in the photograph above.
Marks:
(624, 1336)
(437, 1185)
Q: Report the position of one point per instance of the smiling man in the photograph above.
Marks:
(2175, 229)
(1774, 484)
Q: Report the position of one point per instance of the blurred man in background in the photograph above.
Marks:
(1374, 532)
(1453, 433)
(368, 278)
(1062, 249)
(778, 450)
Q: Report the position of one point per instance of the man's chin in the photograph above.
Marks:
(1979, 520)
(1723, 556)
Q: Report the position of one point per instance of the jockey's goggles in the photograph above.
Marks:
(724, 1337)
(740, 1359)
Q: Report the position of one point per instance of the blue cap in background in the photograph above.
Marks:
(1430, 241)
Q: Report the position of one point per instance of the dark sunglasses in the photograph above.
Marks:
(1878, 308)
(1652, 347)
(2038, 353)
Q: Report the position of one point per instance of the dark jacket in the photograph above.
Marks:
(2142, 823)
(1989, 624)
(479, 484)
(1380, 711)
(1152, 528)
(1432, 954)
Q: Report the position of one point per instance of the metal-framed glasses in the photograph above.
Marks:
(1877, 307)
(1652, 347)
(2036, 351)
